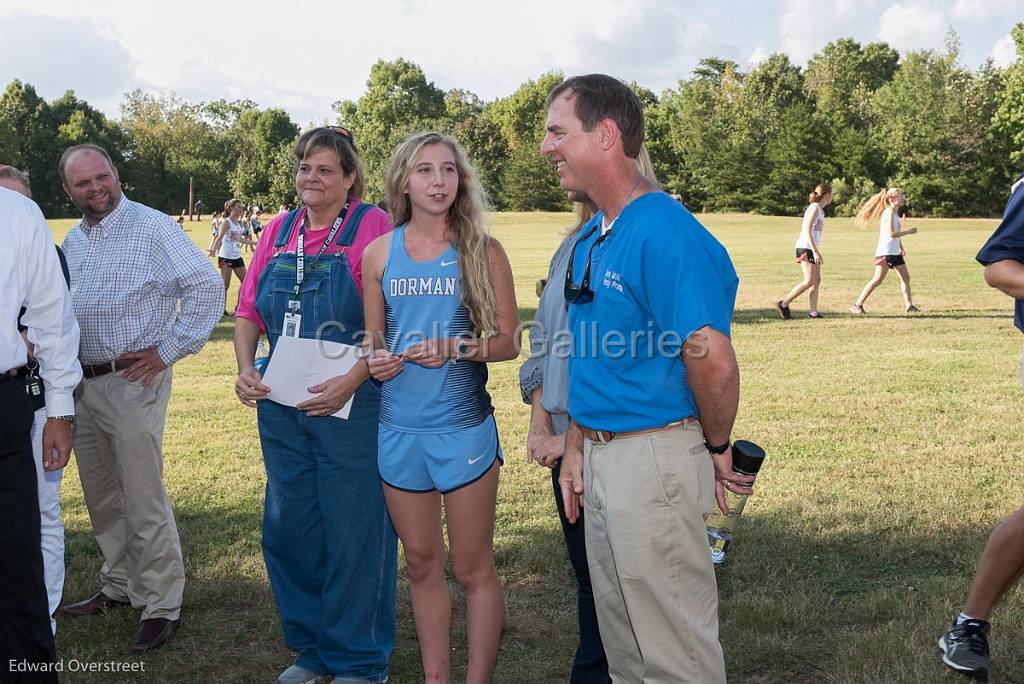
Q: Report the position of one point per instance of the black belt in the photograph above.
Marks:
(13, 373)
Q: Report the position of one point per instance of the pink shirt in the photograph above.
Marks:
(374, 224)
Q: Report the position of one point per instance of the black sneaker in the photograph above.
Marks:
(965, 648)
(783, 310)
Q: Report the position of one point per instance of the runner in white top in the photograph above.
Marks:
(884, 208)
(807, 254)
(889, 224)
(232, 234)
(228, 245)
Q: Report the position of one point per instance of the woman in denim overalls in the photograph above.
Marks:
(329, 546)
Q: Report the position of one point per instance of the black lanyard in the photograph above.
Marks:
(300, 254)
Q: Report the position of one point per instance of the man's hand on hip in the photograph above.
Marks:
(147, 366)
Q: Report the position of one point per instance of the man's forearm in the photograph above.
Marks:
(539, 418)
(714, 379)
(718, 400)
(199, 311)
(574, 437)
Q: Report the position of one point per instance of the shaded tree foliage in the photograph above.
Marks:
(399, 101)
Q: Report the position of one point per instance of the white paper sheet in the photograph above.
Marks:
(298, 363)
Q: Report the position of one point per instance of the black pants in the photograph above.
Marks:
(25, 636)
(589, 666)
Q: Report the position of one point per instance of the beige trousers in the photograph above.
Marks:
(654, 585)
(119, 430)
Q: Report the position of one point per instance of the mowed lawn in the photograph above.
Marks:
(894, 445)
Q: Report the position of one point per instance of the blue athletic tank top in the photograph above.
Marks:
(423, 300)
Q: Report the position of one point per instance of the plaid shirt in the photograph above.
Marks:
(137, 281)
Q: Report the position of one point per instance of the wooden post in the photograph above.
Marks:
(191, 206)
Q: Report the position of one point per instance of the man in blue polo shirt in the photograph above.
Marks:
(651, 295)
(965, 644)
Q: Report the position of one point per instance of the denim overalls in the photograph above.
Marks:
(330, 549)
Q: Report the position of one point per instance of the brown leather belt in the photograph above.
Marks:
(99, 369)
(605, 436)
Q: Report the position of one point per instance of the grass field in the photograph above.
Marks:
(892, 451)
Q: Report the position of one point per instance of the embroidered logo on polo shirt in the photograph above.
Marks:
(613, 280)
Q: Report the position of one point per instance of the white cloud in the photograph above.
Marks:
(649, 42)
(1004, 52)
(806, 25)
(983, 10)
(913, 25)
(55, 55)
(306, 54)
(757, 56)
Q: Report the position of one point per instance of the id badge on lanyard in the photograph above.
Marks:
(292, 324)
(292, 320)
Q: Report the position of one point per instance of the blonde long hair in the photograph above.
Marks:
(583, 212)
(465, 223)
(875, 207)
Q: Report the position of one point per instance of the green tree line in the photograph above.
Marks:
(724, 139)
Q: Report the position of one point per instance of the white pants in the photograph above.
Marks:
(52, 527)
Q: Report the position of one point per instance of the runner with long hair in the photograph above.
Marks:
(440, 304)
(807, 253)
(884, 208)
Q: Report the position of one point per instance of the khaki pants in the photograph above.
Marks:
(119, 429)
(657, 600)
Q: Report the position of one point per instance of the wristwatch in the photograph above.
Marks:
(720, 449)
(66, 419)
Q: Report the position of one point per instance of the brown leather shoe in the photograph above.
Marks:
(97, 604)
(153, 633)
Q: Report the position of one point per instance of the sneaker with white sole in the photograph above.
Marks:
(965, 648)
(297, 675)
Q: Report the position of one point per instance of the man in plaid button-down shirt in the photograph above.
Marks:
(144, 297)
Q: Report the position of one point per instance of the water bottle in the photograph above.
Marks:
(746, 460)
(261, 359)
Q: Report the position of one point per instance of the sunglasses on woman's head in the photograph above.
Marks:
(342, 131)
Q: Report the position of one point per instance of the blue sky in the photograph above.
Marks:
(303, 55)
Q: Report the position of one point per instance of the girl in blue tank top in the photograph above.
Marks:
(440, 305)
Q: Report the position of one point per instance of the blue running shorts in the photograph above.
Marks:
(445, 461)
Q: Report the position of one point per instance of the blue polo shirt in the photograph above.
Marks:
(657, 277)
(1008, 240)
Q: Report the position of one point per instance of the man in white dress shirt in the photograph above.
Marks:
(30, 277)
(51, 525)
